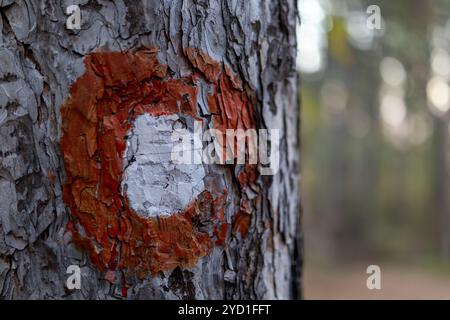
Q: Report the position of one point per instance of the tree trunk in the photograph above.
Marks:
(247, 245)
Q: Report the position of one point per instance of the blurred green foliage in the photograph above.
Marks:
(370, 190)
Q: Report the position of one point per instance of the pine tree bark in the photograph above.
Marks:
(40, 59)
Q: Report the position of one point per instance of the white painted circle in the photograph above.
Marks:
(154, 184)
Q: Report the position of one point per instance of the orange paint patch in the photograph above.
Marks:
(115, 89)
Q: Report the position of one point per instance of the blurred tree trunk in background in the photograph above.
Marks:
(441, 186)
(40, 59)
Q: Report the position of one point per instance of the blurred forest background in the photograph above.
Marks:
(375, 147)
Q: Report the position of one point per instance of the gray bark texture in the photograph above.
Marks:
(40, 59)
